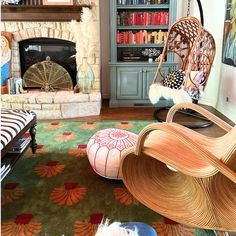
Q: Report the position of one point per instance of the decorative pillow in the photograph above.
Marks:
(192, 85)
(196, 78)
(174, 79)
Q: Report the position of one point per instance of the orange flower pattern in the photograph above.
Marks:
(51, 169)
(66, 136)
(89, 125)
(88, 228)
(124, 197)
(68, 195)
(11, 192)
(81, 151)
(22, 225)
(85, 228)
(171, 228)
(53, 126)
(124, 125)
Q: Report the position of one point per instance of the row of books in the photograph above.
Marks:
(126, 18)
(21, 144)
(141, 37)
(14, 85)
(32, 2)
(136, 2)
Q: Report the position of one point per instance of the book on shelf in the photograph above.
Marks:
(21, 144)
(131, 56)
(11, 85)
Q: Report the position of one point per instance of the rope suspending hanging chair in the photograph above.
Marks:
(194, 48)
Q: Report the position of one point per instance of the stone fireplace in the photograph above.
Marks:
(52, 105)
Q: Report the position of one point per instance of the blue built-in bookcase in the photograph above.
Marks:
(137, 28)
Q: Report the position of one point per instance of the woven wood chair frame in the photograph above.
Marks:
(194, 46)
(202, 191)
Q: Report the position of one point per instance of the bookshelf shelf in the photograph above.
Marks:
(136, 30)
(139, 45)
(143, 6)
(147, 27)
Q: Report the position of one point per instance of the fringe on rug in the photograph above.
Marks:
(114, 229)
(157, 91)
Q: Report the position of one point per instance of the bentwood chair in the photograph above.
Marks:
(184, 175)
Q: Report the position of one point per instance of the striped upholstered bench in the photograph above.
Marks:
(14, 124)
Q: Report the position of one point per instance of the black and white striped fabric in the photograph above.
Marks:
(12, 122)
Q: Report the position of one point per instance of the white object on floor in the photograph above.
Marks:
(114, 229)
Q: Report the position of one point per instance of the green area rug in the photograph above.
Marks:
(55, 192)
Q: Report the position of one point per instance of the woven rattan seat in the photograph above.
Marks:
(202, 191)
(193, 46)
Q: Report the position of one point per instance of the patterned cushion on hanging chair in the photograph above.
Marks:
(174, 79)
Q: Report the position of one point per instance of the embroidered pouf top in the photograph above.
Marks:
(105, 148)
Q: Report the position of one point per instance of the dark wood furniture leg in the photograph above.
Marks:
(32, 133)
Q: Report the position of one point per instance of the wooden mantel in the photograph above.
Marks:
(41, 12)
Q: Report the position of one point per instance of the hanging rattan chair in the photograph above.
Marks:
(193, 47)
(184, 175)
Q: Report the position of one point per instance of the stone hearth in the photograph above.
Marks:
(61, 104)
(55, 105)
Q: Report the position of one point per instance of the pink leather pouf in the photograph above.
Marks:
(105, 148)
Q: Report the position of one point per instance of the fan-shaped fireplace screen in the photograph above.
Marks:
(48, 76)
(35, 50)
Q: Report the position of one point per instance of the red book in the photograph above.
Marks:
(167, 18)
(158, 21)
(118, 37)
(139, 20)
(121, 37)
(164, 18)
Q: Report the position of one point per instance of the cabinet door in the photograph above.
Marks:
(129, 83)
(148, 75)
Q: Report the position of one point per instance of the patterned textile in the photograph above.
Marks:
(174, 79)
(12, 122)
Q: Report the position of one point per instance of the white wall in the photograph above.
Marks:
(227, 92)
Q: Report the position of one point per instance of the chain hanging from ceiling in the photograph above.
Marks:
(200, 10)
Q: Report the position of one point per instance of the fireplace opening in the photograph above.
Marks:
(60, 51)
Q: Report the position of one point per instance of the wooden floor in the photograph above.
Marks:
(130, 113)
